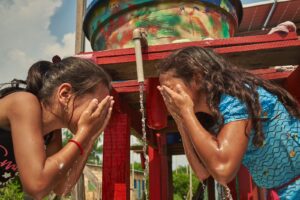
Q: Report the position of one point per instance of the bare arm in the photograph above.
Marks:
(38, 173)
(195, 162)
(221, 155)
(66, 183)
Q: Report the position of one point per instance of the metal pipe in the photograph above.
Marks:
(269, 15)
(138, 35)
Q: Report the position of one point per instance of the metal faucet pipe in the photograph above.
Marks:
(138, 36)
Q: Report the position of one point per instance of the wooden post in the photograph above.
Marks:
(79, 191)
(79, 37)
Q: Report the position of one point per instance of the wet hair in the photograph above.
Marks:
(44, 77)
(217, 76)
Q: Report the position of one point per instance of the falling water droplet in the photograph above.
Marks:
(145, 146)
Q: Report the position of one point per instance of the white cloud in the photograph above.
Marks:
(25, 36)
(67, 48)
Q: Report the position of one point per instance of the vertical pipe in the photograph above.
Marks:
(137, 37)
(79, 37)
(269, 15)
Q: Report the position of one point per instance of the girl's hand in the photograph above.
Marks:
(95, 117)
(177, 101)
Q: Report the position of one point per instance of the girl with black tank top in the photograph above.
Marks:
(71, 93)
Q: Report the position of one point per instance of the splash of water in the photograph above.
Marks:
(228, 195)
(145, 146)
(69, 187)
(223, 192)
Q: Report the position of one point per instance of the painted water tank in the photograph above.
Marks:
(109, 24)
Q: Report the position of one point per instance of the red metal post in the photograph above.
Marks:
(116, 165)
(156, 109)
(291, 84)
(160, 171)
(159, 161)
(154, 174)
(247, 189)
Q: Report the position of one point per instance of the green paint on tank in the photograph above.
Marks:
(143, 11)
(109, 25)
(168, 32)
(225, 29)
(159, 19)
(211, 21)
(120, 36)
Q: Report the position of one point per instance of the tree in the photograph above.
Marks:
(181, 182)
(137, 166)
(94, 157)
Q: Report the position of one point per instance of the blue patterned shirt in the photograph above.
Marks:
(278, 160)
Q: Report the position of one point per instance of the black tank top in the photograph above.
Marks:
(8, 166)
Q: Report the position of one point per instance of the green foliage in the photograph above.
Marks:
(95, 153)
(137, 166)
(181, 183)
(177, 197)
(12, 191)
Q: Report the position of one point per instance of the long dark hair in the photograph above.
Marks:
(218, 76)
(44, 77)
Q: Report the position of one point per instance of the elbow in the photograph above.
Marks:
(36, 190)
(222, 174)
(60, 191)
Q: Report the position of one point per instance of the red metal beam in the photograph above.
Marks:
(135, 116)
(158, 55)
(234, 41)
(271, 74)
(130, 86)
(251, 52)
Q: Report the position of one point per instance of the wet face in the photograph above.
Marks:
(80, 103)
(170, 80)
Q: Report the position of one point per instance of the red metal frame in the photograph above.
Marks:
(292, 84)
(116, 144)
(245, 47)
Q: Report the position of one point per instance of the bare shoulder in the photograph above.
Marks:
(19, 102)
(23, 98)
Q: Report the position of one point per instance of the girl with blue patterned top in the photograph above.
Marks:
(257, 123)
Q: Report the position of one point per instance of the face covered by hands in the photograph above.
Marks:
(177, 101)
